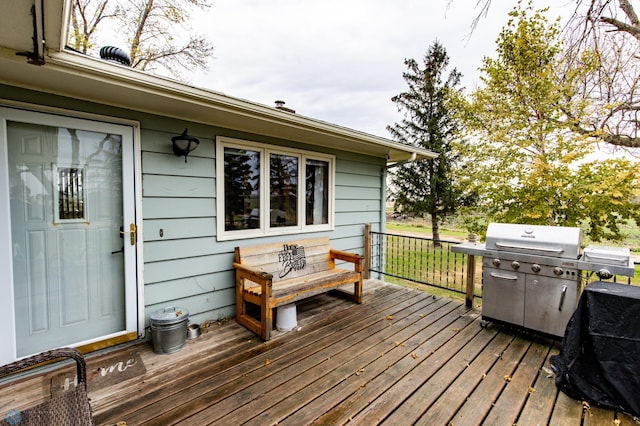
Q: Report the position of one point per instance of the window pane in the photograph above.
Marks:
(317, 192)
(283, 190)
(71, 193)
(241, 189)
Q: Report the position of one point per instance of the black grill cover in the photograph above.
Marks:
(600, 357)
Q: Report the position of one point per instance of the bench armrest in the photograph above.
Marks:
(347, 257)
(253, 274)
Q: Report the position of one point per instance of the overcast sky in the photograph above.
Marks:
(341, 61)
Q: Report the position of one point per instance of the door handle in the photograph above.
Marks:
(132, 233)
(504, 277)
(564, 293)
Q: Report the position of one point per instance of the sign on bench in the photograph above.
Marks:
(279, 273)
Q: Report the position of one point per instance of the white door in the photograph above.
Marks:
(71, 204)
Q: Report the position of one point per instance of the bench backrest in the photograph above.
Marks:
(289, 259)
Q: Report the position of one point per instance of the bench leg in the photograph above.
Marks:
(242, 317)
(266, 313)
(356, 296)
(357, 290)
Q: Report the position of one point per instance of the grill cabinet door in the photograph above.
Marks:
(549, 303)
(503, 295)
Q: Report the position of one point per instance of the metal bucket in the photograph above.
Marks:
(169, 329)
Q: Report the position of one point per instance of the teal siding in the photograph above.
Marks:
(167, 207)
(184, 265)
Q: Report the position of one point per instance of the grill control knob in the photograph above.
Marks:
(558, 271)
(535, 267)
(515, 265)
(496, 262)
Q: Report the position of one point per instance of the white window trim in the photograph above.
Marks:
(265, 150)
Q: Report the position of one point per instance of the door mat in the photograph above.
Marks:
(103, 372)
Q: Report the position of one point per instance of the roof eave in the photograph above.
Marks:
(112, 84)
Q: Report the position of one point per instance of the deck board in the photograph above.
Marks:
(342, 357)
(402, 357)
(542, 395)
(405, 401)
(480, 402)
(448, 403)
(506, 409)
(398, 361)
(347, 366)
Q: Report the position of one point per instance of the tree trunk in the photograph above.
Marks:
(435, 230)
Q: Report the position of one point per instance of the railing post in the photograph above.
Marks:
(471, 277)
(367, 252)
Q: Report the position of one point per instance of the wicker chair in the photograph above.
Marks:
(67, 408)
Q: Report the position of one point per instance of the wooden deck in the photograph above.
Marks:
(402, 357)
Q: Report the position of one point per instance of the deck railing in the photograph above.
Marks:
(421, 261)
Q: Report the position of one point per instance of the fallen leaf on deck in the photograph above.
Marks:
(267, 362)
(507, 378)
(586, 405)
(531, 389)
(414, 355)
(389, 317)
(423, 315)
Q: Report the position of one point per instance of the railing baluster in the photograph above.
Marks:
(419, 260)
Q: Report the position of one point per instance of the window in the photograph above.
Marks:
(317, 200)
(70, 195)
(283, 188)
(268, 190)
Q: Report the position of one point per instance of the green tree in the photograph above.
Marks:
(529, 161)
(157, 32)
(429, 122)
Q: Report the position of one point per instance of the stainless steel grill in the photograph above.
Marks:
(531, 274)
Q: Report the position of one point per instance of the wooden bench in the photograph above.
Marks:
(281, 273)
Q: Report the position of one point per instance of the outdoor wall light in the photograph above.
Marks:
(184, 144)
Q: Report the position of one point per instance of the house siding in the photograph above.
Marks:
(184, 264)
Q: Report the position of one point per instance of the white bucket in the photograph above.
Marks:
(286, 317)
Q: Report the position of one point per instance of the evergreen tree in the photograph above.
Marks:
(429, 122)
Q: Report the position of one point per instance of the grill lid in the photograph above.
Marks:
(607, 255)
(607, 261)
(550, 241)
